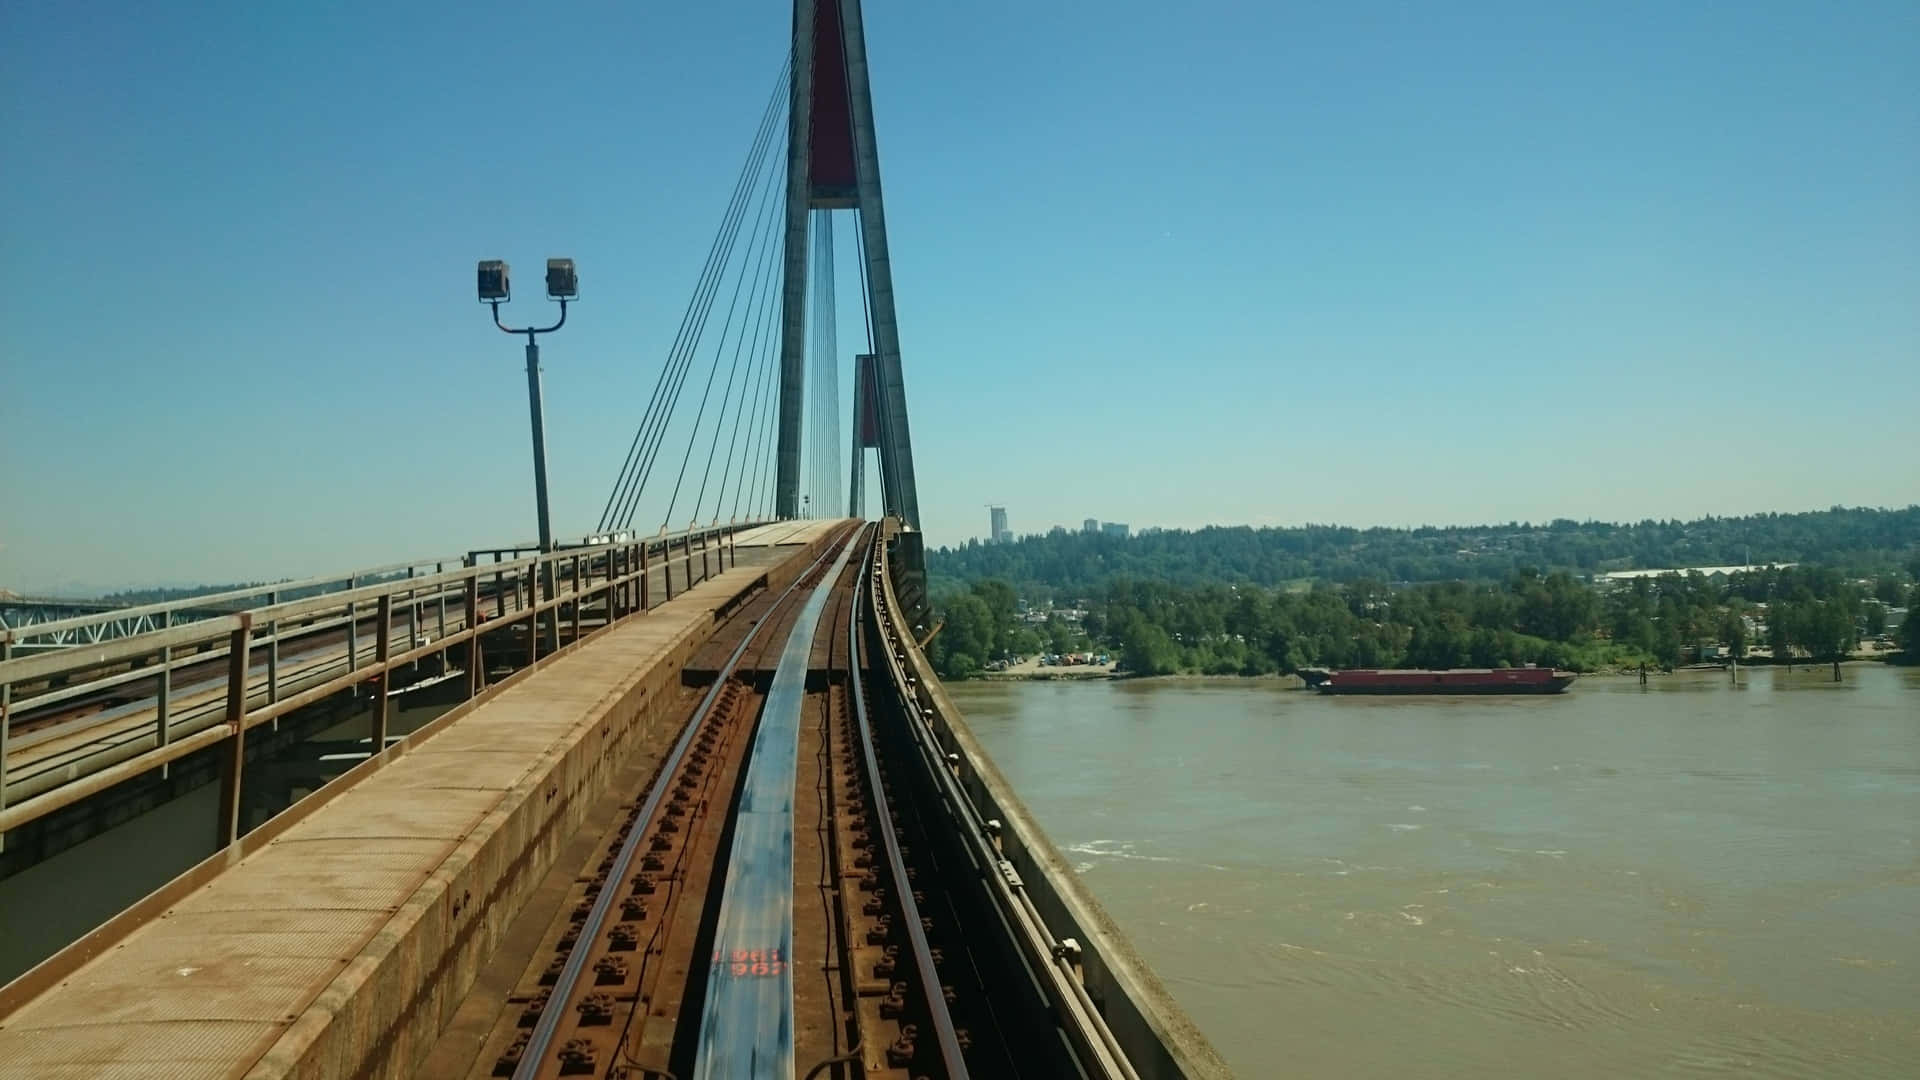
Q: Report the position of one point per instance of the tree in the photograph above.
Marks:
(1827, 631)
(1887, 590)
(1780, 631)
(1002, 613)
(1145, 649)
(1910, 630)
(1666, 644)
(1061, 635)
(964, 642)
(1733, 630)
(1024, 641)
(1866, 542)
(1876, 619)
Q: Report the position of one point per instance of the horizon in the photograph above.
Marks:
(1324, 262)
(81, 589)
(1522, 523)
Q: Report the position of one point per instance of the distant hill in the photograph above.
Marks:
(1074, 564)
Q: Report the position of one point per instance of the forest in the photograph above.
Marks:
(1067, 566)
(1551, 619)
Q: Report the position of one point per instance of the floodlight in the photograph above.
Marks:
(562, 282)
(493, 281)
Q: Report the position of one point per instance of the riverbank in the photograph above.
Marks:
(1031, 671)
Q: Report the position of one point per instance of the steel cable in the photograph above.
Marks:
(726, 325)
(638, 463)
(756, 311)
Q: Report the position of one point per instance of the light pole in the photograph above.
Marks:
(562, 285)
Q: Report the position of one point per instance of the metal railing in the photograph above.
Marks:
(1050, 960)
(106, 622)
(611, 577)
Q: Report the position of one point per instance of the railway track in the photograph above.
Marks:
(784, 897)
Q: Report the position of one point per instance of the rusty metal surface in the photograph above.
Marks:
(945, 1039)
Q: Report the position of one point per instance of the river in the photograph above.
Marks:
(1692, 879)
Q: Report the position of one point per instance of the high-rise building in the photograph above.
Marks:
(1115, 529)
(1091, 525)
(997, 522)
(1057, 530)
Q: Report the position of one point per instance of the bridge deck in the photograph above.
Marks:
(286, 962)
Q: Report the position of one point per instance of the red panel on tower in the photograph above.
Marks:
(830, 172)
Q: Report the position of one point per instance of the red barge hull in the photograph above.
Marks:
(1452, 681)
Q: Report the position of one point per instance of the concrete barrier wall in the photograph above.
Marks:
(380, 1017)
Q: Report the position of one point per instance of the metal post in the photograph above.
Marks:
(164, 697)
(686, 543)
(438, 569)
(382, 650)
(539, 442)
(233, 762)
(576, 597)
(6, 709)
(273, 655)
(666, 566)
(645, 573)
(413, 618)
(533, 625)
(499, 589)
(549, 592)
(353, 626)
(627, 592)
(611, 593)
(476, 665)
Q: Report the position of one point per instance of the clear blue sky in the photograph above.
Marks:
(1272, 263)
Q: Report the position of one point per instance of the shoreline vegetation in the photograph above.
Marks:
(1295, 682)
(1858, 604)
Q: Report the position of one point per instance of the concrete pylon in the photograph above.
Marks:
(833, 163)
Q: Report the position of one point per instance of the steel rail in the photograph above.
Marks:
(540, 1042)
(950, 1053)
(746, 1022)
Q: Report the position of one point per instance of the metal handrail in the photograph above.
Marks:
(199, 604)
(1094, 1044)
(25, 669)
(597, 572)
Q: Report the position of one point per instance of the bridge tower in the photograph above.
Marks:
(833, 163)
